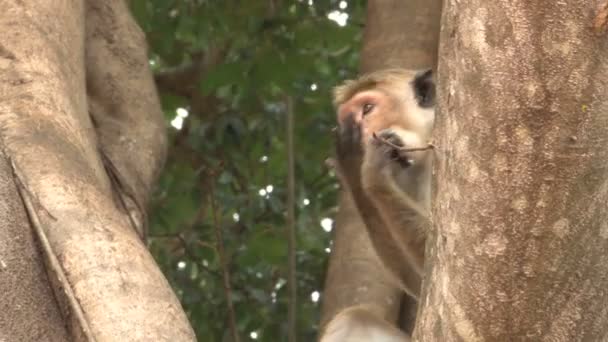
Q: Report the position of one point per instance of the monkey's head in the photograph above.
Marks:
(397, 99)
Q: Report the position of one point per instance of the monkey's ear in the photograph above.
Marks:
(424, 88)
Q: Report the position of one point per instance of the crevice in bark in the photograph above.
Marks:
(125, 198)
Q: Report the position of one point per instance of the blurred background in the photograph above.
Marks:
(228, 72)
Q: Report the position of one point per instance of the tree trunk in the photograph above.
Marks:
(74, 192)
(519, 251)
(403, 34)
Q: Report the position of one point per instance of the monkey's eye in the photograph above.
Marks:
(367, 108)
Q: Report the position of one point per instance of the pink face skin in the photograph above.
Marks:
(371, 109)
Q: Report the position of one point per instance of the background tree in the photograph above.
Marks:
(520, 208)
(397, 34)
(224, 70)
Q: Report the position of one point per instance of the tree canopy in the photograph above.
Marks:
(225, 71)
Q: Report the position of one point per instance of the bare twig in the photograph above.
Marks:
(188, 253)
(182, 80)
(222, 259)
(291, 223)
(429, 146)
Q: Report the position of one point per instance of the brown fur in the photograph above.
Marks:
(387, 78)
(359, 324)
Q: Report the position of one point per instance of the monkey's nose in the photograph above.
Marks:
(358, 117)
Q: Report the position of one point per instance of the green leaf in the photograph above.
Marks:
(269, 247)
(223, 75)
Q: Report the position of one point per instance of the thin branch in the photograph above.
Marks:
(187, 252)
(190, 254)
(178, 80)
(222, 259)
(183, 79)
(429, 146)
(291, 223)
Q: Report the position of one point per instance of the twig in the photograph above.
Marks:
(291, 225)
(189, 254)
(196, 260)
(222, 259)
(429, 146)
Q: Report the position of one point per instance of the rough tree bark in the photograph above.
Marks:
(72, 262)
(520, 210)
(403, 34)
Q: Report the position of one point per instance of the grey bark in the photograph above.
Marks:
(403, 34)
(72, 262)
(519, 250)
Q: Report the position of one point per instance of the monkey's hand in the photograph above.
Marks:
(349, 152)
(387, 150)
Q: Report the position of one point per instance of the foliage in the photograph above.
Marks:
(242, 59)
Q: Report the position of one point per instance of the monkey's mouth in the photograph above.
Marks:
(396, 148)
(400, 159)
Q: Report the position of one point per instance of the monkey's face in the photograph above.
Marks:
(374, 110)
(404, 106)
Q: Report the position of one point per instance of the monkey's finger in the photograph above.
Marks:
(349, 133)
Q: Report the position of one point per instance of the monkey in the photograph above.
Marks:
(381, 117)
(385, 122)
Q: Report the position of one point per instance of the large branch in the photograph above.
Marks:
(107, 284)
(402, 34)
(520, 209)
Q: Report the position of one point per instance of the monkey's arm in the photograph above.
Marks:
(405, 218)
(394, 258)
(401, 205)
